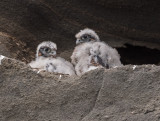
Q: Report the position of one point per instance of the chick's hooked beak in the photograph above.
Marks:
(39, 54)
(78, 41)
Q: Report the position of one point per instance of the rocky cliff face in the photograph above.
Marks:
(118, 23)
(127, 93)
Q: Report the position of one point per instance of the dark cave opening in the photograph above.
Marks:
(139, 55)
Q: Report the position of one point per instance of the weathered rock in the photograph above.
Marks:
(124, 93)
(116, 21)
(13, 48)
(127, 93)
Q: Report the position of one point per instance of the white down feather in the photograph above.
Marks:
(84, 53)
(60, 65)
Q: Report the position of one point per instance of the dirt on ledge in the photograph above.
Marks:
(128, 93)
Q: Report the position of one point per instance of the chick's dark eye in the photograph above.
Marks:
(84, 37)
(89, 36)
(47, 49)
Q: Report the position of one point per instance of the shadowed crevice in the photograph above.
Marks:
(138, 55)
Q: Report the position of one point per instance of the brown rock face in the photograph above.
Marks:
(118, 22)
(127, 93)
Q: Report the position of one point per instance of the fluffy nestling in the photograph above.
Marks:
(46, 59)
(105, 55)
(84, 40)
(90, 53)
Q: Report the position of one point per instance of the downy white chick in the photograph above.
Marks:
(90, 53)
(84, 41)
(46, 60)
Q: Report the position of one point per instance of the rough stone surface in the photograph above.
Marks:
(128, 93)
(116, 21)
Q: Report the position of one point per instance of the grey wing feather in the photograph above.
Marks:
(100, 61)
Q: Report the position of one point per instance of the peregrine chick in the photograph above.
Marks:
(60, 65)
(84, 65)
(86, 35)
(90, 53)
(85, 39)
(45, 51)
(105, 55)
(46, 59)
